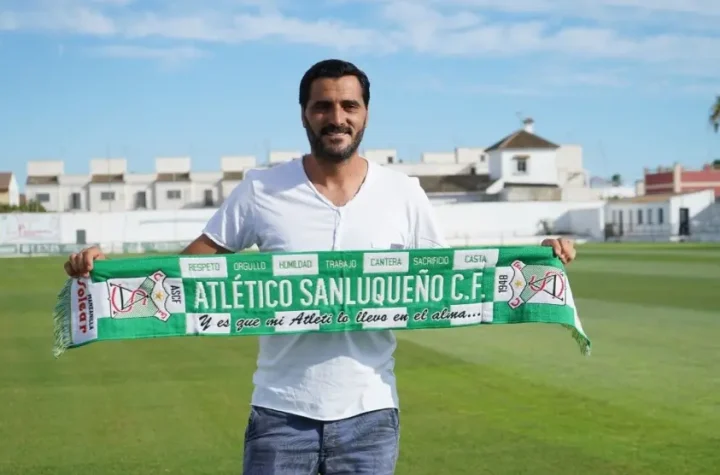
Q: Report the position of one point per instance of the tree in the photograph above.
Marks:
(715, 114)
(29, 207)
(616, 180)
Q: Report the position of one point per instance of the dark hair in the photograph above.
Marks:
(332, 68)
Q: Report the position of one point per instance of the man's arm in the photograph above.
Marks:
(563, 248)
(80, 264)
(204, 245)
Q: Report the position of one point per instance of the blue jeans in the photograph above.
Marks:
(277, 443)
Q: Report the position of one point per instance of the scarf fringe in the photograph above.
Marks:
(581, 339)
(62, 320)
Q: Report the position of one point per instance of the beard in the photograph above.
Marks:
(332, 154)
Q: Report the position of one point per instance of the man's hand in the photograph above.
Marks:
(80, 264)
(563, 248)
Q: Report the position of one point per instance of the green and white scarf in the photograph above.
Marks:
(260, 293)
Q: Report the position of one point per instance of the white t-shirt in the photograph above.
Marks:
(336, 375)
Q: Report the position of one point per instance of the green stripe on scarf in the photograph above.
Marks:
(282, 293)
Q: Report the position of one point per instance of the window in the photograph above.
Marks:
(390, 159)
(208, 198)
(107, 195)
(650, 216)
(640, 216)
(42, 197)
(75, 201)
(141, 200)
(660, 215)
(521, 163)
(174, 194)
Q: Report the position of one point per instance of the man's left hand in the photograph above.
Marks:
(563, 248)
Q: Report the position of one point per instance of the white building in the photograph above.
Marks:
(470, 159)
(9, 191)
(106, 189)
(46, 184)
(520, 167)
(664, 217)
(233, 171)
(141, 191)
(109, 187)
(174, 188)
(525, 166)
(385, 156)
(462, 156)
(605, 189)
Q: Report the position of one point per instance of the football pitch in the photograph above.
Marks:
(483, 400)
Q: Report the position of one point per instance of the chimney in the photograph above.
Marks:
(529, 125)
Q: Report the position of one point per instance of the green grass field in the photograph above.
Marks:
(484, 400)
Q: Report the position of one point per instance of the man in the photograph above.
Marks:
(323, 403)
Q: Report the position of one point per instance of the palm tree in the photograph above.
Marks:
(616, 180)
(715, 114)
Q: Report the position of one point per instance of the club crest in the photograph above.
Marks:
(536, 284)
(152, 296)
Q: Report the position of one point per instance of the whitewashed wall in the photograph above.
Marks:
(706, 224)
(136, 226)
(517, 222)
(464, 224)
(120, 198)
(641, 221)
(381, 155)
(55, 194)
(541, 167)
(695, 202)
(437, 157)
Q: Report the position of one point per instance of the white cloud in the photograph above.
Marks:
(669, 34)
(8, 22)
(118, 3)
(592, 9)
(564, 78)
(425, 28)
(172, 54)
(429, 83)
(78, 20)
(536, 81)
(420, 25)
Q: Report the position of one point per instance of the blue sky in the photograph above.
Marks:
(630, 80)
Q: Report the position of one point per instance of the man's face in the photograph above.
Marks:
(335, 118)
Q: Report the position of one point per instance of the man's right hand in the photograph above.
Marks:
(80, 264)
